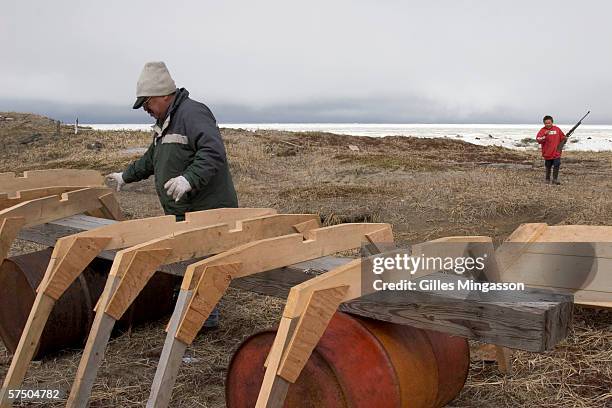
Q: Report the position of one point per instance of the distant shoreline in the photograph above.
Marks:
(512, 136)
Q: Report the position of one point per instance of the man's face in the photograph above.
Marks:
(157, 106)
(548, 123)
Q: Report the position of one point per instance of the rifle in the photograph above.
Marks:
(568, 134)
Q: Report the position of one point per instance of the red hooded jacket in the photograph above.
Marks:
(550, 141)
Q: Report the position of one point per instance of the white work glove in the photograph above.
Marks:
(117, 178)
(176, 187)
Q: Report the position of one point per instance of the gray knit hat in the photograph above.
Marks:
(154, 80)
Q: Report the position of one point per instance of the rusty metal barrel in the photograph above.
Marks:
(69, 323)
(360, 363)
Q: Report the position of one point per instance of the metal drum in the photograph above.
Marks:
(69, 323)
(360, 363)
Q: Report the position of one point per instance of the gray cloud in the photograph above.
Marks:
(341, 61)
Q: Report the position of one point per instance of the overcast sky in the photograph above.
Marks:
(314, 61)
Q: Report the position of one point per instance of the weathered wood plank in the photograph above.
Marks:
(534, 320)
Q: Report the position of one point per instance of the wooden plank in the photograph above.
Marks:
(79, 253)
(563, 271)
(28, 343)
(9, 228)
(214, 282)
(41, 210)
(276, 252)
(11, 183)
(196, 243)
(582, 249)
(504, 359)
(289, 249)
(576, 233)
(49, 233)
(142, 267)
(128, 233)
(134, 232)
(110, 207)
(603, 304)
(9, 200)
(226, 215)
(307, 225)
(524, 234)
(97, 212)
(312, 324)
(533, 320)
(348, 276)
(45, 234)
(574, 258)
(215, 239)
(83, 222)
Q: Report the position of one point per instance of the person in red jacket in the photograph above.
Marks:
(550, 137)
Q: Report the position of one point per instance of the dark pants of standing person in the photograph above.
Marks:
(554, 165)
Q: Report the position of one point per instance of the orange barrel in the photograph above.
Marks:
(360, 363)
(71, 318)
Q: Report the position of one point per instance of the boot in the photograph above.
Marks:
(556, 176)
(548, 175)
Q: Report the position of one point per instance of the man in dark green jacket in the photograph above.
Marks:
(187, 155)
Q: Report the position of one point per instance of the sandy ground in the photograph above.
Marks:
(427, 188)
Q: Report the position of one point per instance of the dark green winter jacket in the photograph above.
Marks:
(187, 143)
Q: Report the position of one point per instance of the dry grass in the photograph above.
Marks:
(578, 373)
(427, 188)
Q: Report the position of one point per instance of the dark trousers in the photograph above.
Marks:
(553, 164)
